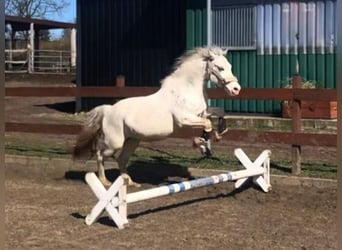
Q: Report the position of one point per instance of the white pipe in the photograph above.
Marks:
(73, 47)
(187, 185)
(31, 49)
(209, 40)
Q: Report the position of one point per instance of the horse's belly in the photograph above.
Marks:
(151, 127)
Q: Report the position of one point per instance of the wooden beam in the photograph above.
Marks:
(120, 92)
(248, 136)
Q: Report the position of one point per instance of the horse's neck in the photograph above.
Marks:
(188, 76)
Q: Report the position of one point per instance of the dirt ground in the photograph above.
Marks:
(46, 206)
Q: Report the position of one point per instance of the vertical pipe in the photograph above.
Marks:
(293, 37)
(268, 52)
(320, 29)
(209, 40)
(302, 41)
(311, 41)
(276, 52)
(338, 66)
(260, 54)
(73, 47)
(31, 49)
(285, 40)
(329, 44)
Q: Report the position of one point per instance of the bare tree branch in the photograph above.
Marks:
(34, 8)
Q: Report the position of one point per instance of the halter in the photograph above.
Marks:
(212, 70)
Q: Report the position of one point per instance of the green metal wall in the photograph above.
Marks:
(265, 67)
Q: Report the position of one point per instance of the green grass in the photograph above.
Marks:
(184, 159)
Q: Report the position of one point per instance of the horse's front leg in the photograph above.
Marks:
(195, 121)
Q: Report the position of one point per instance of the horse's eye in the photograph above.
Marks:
(219, 68)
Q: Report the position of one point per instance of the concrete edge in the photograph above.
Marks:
(275, 179)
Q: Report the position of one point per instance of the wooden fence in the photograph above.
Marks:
(296, 137)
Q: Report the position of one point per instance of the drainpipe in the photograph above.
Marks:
(209, 43)
(209, 22)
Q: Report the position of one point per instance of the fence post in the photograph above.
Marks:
(120, 81)
(296, 126)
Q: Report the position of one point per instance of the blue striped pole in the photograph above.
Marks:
(187, 185)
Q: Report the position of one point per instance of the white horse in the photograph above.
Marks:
(116, 130)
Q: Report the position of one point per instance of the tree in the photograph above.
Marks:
(34, 8)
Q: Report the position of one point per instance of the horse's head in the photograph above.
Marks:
(219, 70)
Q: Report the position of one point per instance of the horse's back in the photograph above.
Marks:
(145, 117)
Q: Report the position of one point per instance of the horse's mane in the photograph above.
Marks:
(201, 51)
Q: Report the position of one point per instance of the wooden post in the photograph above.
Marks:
(296, 127)
(120, 81)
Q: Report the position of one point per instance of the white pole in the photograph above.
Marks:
(187, 185)
(31, 49)
(209, 42)
(73, 47)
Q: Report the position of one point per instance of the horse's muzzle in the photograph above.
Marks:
(232, 88)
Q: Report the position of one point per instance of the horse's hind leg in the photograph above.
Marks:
(127, 150)
(101, 170)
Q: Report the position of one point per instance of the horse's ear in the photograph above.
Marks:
(225, 50)
(209, 56)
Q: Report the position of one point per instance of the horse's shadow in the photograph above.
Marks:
(155, 173)
(65, 107)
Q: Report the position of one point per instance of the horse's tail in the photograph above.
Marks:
(86, 140)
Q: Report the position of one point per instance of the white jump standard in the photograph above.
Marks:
(115, 199)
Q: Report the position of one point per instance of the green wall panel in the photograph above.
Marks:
(311, 62)
(303, 65)
(251, 81)
(276, 81)
(268, 80)
(236, 68)
(330, 71)
(244, 78)
(260, 80)
(285, 70)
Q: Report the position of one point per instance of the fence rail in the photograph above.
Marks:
(52, 61)
(38, 61)
(119, 92)
(296, 137)
(16, 60)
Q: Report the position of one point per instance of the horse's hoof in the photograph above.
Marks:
(134, 184)
(129, 181)
(198, 141)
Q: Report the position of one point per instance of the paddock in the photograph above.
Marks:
(46, 210)
(47, 200)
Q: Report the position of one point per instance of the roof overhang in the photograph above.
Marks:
(21, 23)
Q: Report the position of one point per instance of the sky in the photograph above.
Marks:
(68, 15)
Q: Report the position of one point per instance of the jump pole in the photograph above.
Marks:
(115, 199)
